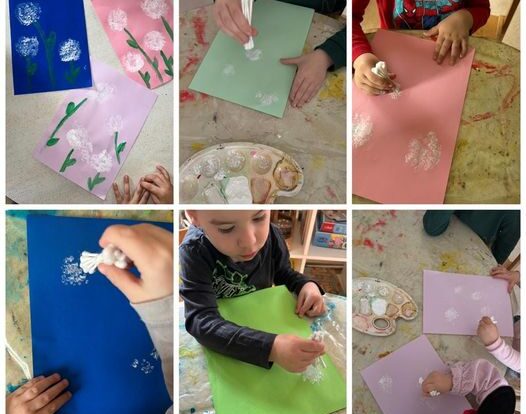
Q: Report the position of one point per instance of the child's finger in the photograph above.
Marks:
(144, 197)
(444, 51)
(431, 32)
(455, 52)
(464, 48)
(38, 388)
(232, 24)
(240, 20)
(29, 384)
(122, 279)
(118, 195)
(438, 47)
(304, 95)
(126, 188)
(151, 188)
(377, 82)
(369, 90)
(307, 304)
(57, 404)
(164, 172)
(49, 395)
(312, 347)
(155, 178)
(296, 87)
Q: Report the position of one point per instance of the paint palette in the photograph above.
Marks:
(239, 173)
(376, 304)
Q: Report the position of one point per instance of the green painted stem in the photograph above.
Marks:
(49, 53)
(50, 141)
(68, 162)
(150, 61)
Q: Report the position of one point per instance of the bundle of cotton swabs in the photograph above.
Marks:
(110, 255)
(246, 6)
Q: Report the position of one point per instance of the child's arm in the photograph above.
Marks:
(436, 222)
(489, 335)
(480, 11)
(360, 44)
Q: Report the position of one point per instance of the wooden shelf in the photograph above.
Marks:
(326, 254)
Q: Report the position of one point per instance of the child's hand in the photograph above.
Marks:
(452, 36)
(310, 76)
(513, 278)
(366, 80)
(229, 17)
(295, 354)
(151, 250)
(39, 395)
(437, 381)
(159, 186)
(310, 301)
(487, 331)
(140, 195)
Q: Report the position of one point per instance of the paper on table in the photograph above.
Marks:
(49, 46)
(403, 147)
(454, 303)
(84, 328)
(394, 381)
(94, 129)
(256, 78)
(241, 388)
(141, 33)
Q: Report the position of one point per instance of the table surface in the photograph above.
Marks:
(29, 181)
(392, 245)
(313, 135)
(195, 396)
(486, 162)
(18, 324)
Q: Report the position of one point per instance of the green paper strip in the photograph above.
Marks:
(241, 388)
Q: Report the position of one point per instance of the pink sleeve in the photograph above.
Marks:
(505, 354)
(478, 377)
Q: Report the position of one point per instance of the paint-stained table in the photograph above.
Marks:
(18, 324)
(313, 135)
(27, 117)
(392, 245)
(486, 162)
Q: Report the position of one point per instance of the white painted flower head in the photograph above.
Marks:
(101, 162)
(27, 46)
(69, 50)
(115, 123)
(28, 13)
(78, 137)
(117, 20)
(154, 40)
(103, 91)
(132, 62)
(154, 8)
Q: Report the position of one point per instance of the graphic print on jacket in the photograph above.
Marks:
(423, 14)
(229, 284)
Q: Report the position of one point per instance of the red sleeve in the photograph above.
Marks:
(480, 11)
(360, 44)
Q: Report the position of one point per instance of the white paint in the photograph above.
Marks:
(229, 70)
(254, 54)
(424, 153)
(383, 290)
(110, 255)
(69, 50)
(154, 8)
(434, 393)
(28, 13)
(189, 187)
(380, 69)
(210, 166)
(154, 40)
(396, 93)
(485, 310)
(145, 366)
(102, 91)
(362, 129)
(237, 191)
(476, 295)
(79, 140)
(115, 123)
(365, 307)
(132, 62)
(27, 46)
(235, 160)
(458, 290)
(101, 162)
(213, 195)
(261, 162)
(386, 382)
(493, 320)
(72, 273)
(117, 20)
(266, 99)
(420, 380)
(379, 306)
(451, 315)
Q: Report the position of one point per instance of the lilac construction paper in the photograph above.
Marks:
(94, 129)
(394, 381)
(454, 304)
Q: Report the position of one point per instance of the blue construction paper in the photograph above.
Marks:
(46, 36)
(88, 333)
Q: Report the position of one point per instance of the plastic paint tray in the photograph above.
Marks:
(370, 295)
(270, 173)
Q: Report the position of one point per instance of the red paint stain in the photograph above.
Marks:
(190, 61)
(199, 25)
(480, 117)
(204, 95)
(392, 213)
(186, 96)
(368, 243)
(478, 65)
(510, 97)
(380, 247)
(330, 192)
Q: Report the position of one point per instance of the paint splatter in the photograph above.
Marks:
(27, 46)
(396, 94)
(266, 99)
(334, 87)
(154, 40)
(117, 20)
(424, 153)
(451, 314)
(190, 61)
(476, 295)
(72, 274)
(144, 365)
(362, 129)
(185, 96)
(386, 382)
(199, 25)
(253, 54)
(154, 8)
(69, 50)
(132, 62)
(229, 70)
(28, 13)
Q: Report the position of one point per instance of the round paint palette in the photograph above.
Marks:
(376, 304)
(239, 173)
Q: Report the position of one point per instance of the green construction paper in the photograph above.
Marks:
(263, 84)
(241, 388)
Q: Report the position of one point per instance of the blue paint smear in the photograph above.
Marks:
(49, 46)
(22, 214)
(11, 387)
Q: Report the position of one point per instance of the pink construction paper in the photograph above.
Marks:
(143, 19)
(454, 304)
(431, 101)
(114, 103)
(394, 381)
